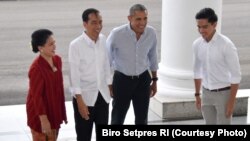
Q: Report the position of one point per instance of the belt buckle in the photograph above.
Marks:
(135, 76)
(214, 90)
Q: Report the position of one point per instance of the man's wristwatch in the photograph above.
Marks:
(154, 78)
(197, 94)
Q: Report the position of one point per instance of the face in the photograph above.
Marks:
(94, 26)
(206, 29)
(48, 49)
(138, 21)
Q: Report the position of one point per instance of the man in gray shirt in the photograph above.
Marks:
(133, 54)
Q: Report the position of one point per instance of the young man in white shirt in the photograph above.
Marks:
(216, 70)
(90, 76)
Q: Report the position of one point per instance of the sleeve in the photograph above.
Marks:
(74, 70)
(59, 61)
(110, 50)
(37, 90)
(109, 74)
(196, 62)
(232, 60)
(153, 60)
(62, 87)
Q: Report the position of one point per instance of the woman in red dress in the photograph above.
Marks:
(45, 103)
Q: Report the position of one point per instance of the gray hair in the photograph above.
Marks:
(137, 7)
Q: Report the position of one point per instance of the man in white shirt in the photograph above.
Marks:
(216, 70)
(90, 76)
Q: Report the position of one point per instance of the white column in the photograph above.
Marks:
(175, 96)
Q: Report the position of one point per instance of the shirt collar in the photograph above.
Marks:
(132, 32)
(89, 41)
(214, 38)
(45, 63)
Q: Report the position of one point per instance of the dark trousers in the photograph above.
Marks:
(98, 115)
(127, 89)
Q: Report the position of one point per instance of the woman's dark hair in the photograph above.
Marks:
(85, 14)
(39, 38)
(207, 13)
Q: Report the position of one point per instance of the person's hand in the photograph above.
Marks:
(111, 90)
(198, 102)
(230, 107)
(153, 88)
(45, 124)
(82, 108)
(65, 122)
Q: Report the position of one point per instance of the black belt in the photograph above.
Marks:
(131, 76)
(218, 90)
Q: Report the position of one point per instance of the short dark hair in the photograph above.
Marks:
(39, 38)
(85, 14)
(137, 7)
(207, 13)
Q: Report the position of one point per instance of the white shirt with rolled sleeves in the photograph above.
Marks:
(216, 62)
(89, 68)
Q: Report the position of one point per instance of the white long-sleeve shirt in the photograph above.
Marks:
(216, 62)
(89, 68)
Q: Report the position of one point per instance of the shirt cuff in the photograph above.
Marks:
(235, 80)
(75, 91)
(197, 76)
(109, 80)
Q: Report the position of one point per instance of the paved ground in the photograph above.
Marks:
(13, 123)
(19, 18)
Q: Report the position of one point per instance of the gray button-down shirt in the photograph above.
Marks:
(129, 55)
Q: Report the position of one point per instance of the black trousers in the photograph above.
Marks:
(98, 114)
(127, 89)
